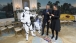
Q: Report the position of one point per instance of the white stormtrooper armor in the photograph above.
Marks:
(25, 19)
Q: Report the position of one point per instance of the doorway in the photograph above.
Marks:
(25, 3)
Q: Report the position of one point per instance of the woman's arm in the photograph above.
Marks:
(58, 15)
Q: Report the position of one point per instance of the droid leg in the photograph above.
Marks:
(39, 29)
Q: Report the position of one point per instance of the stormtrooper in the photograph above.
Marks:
(25, 19)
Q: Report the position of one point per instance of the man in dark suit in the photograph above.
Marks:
(46, 18)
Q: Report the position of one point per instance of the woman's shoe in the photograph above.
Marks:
(52, 37)
(56, 38)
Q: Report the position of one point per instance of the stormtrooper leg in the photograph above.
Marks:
(27, 36)
(23, 26)
(27, 31)
(32, 31)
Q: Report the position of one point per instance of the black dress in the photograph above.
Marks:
(55, 21)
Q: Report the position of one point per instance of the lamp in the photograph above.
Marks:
(34, 7)
(17, 7)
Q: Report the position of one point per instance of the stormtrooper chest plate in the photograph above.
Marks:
(27, 18)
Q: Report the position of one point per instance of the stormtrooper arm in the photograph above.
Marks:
(21, 17)
(34, 15)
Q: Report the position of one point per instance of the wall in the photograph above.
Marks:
(33, 4)
(23, 1)
(17, 3)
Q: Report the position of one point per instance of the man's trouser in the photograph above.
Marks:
(43, 26)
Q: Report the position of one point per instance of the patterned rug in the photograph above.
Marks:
(41, 40)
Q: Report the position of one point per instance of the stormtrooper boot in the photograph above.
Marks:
(26, 37)
(34, 31)
(33, 34)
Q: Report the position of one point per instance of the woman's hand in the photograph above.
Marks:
(52, 14)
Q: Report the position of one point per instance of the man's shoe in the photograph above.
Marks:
(41, 34)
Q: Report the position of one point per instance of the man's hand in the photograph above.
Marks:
(48, 13)
(48, 20)
(52, 14)
(42, 16)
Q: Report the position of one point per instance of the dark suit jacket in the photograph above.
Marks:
(46, 16)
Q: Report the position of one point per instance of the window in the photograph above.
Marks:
(6, 9)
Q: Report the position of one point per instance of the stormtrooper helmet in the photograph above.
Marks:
(26, 9)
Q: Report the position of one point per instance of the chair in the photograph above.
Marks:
(17, 28)
(2, 27)
(69, 22)
(9, 25)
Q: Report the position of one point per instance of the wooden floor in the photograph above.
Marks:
(67, 34)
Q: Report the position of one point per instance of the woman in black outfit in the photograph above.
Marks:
(55, 22)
